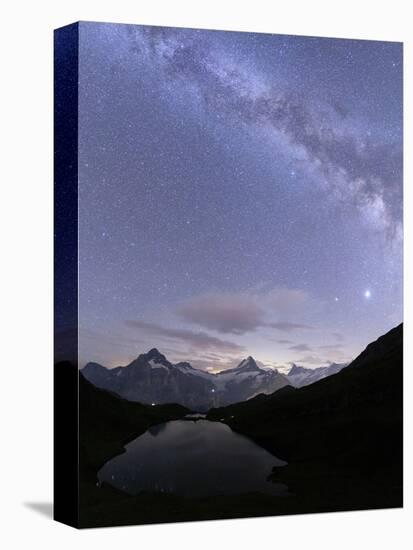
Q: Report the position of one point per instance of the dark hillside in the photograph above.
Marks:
(342, 434)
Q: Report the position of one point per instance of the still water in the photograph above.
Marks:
(193, 459)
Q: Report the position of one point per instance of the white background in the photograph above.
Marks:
(26, 270)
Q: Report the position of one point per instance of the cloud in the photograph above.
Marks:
(311, 360)
(227, 313)
(284, 341)
(331, 346)
(289, 327)
(285, 301)
(196, 340)
(109, 349)
(242, 312)
(300, 347)
(355, 169)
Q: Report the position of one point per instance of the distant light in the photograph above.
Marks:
(367, 294)
(153, 404)
(213, 391)
(336, 299)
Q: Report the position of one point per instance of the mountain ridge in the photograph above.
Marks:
(151, 378)
(303, 376)
(332, 419)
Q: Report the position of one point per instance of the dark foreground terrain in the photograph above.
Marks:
(106, 424)
(341, 436)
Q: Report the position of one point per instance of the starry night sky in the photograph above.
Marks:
(239, 194)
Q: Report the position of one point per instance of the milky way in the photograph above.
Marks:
(239, 194)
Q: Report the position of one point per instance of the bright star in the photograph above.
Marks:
(367, 294)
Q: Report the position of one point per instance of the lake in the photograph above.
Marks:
(193, 458)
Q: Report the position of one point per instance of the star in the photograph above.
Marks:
(213, 179)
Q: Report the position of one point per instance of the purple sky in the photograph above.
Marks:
(240, 194)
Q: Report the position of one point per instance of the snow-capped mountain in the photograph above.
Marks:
(246, 381)
(302, 376)
(151, 378)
